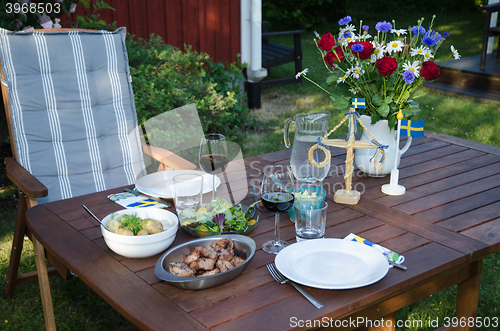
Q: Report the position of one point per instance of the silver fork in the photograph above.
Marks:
(282, 280)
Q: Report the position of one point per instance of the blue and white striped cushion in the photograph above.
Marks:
(73, 112)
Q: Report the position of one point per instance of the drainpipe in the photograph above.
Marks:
(251, 48)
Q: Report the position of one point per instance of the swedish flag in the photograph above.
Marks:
(358, 103)
(413, 129)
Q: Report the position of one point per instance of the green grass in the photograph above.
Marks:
(79, 308)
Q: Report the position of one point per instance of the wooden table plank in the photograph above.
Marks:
(429, 177)
(460, 206)
(420, 227)
(464, 142)
(430, 200)
(444, 185)
(472, 218)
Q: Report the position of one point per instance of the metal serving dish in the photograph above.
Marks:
(243, 245)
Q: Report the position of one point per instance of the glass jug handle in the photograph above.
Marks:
(286, 136)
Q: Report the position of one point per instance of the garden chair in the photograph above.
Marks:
(73, 128)
(489, 31)
(274, 54)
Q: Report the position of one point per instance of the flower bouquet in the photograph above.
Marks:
(386, 70)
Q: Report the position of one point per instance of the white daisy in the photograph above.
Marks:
(365, 36)
(428, 56)
(422, 50)
(379, 51)
(415, 67)
(348, 28)
(395, 46)
(303, 72)
(342, 79)
(354, 90)
(357, 72)
(455, 53)
(399, 32)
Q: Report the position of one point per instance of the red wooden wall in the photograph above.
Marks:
(210, 26)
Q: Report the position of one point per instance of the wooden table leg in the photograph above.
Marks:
(43, 281)
(468, 296)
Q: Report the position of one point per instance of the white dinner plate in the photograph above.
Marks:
(332, 264)
(161, 185)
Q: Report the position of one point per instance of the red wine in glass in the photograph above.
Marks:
(213, 157)
(277, 202)
(213, 163)
(276, 198)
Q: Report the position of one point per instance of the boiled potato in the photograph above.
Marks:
(113, 225)
(142, 232)
(152, 226)
(125, 232)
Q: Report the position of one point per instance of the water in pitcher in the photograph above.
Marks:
(301, 167)
(308, 128)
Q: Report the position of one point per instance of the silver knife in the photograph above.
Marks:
(131, 191)
(397, 265)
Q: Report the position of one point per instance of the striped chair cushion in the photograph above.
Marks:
(72, 109)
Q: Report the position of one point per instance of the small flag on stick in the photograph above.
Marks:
(412, 129)
(358, 103)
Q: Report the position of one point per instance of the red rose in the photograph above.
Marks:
(329, 57)
(386, 65)
(430, 71)
(336, 56)
(339, 57)
(327, 42)
(367, 49)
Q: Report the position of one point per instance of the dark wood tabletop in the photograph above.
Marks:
(444, 224)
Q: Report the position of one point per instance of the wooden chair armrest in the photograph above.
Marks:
(491, 8)
(282, 33)
(25, 181)
(169, 159)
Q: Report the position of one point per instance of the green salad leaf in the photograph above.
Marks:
(207, 217)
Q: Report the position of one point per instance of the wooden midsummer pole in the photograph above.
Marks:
(349, 168)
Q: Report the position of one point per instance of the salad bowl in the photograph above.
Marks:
(220, 217)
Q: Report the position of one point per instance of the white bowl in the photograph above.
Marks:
(142, 246)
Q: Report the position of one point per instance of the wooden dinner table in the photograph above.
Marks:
(445, 224)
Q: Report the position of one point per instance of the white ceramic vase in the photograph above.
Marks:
(380, 130)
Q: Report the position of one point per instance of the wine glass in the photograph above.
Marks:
(276, 198)
(213, 156)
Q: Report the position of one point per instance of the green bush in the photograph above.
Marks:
(165, 77)
(301, 14)
(406, 7)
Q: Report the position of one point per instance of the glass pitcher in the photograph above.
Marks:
(308, 127)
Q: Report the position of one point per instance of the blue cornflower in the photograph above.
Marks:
(365, 27)
(429, 41)
(418, 30)
(348, 34)
(345, 20)
(383, 26)
(446, 34)
(357, 48)
(438, 37)
(409, 77)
